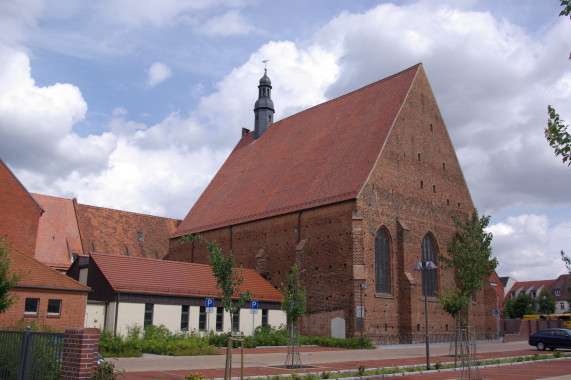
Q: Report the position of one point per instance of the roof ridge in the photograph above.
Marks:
(124, 211)
(350, 93)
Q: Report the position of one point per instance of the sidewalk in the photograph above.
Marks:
(267, 361)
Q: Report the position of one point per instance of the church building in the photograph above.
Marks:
(356, 191)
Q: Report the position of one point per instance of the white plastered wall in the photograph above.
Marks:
(129, 315)
(95, 315)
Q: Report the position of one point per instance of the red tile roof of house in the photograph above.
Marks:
(37, 275)
(528, 286)
(58, 233)
(319, 156)
(141, 275)
(123, 233)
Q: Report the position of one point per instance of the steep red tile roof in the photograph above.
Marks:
(140, 275)
(316, 157)
(58, 233)
(36, 274)
(123, 233)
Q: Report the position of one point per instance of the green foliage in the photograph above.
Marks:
(295, 295)
(107, 371)
(557, 136)
(228, 278)
(546, 302)
(566, 4)
(7, 280)
(154, 340)
(519, 306)
(361, 370)
(453, 301)
(470, 255)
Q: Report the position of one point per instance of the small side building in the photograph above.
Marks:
(135, 291)
(46, 298)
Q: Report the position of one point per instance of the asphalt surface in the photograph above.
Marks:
(268, 362)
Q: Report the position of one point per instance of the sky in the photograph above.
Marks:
(135, 104)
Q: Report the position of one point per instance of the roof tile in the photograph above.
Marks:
(142, 275)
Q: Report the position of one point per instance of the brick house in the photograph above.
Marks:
(129, 291)
(354, 191)
(561, 292)
(68, 229)
(45, 296)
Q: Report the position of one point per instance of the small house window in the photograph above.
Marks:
(148, 315)
(32, 306)
(443, 166)
(54, 307)
(219, 318)
(434, 188)
(264, 317)
(431, 128)
(448, 202)
(533, 294)
(184, 318)
(419, 156)
(421, 185)
(140, 236)
(236, 321)
(557, 292)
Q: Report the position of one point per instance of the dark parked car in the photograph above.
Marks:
(551, 338)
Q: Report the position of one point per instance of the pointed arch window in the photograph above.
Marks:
(382, 262)
(428, 253)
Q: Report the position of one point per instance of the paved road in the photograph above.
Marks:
(266, 362)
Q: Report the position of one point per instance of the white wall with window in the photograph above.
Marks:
(177, 317)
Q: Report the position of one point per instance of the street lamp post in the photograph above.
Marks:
(361, 288)
(422, 266)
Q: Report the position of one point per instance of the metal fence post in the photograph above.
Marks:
(24, 355)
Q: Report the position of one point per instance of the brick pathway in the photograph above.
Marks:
(521, 371)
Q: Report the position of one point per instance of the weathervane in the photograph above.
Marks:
(265, 64)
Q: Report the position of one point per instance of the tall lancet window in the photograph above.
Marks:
(382, 262)
(428, 253)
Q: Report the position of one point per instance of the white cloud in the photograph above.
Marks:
(523, 245)
(158, 73)
(229, 24)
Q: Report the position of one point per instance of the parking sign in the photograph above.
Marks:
(254, 304)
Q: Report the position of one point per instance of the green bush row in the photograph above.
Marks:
(159, 340)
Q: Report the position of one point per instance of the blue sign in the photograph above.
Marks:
(254, 305)
(496, 313)
(210, 302)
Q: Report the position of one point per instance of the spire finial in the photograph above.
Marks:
(265, 64)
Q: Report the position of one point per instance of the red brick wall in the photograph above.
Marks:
(19, 214)
(417, 149)
(72, 309)
(325, 260)
(79, 353)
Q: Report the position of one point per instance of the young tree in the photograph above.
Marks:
(557, 136)
(516, 308)
(228, 278)
(470, 256)
(294, 305)
(546, 302)
(556, 132)
(294, 301)
(7, 280)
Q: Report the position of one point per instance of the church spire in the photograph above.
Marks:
(264, 107)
